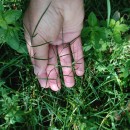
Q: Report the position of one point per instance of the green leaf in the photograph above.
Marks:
(111, 68)
(126, 73)
(2, 31)
(85, 32)
(87, 47)
(11, 16)
(12, 40)
(116, 16)
(118, 30)
(112, 23)
(104, 45)
(95, 38)
(101, 68)
(126, 69)
(3, 23)
(122, 28)
(101, 32)
(22, 49)
(52, 128)
(1, 7)
(108, 12)
(117, 37)
(92, 19)
(97, 46)
(2, 35)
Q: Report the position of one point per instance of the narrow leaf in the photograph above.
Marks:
(108, 12)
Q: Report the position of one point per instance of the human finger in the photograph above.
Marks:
(52, 69)
(39, 58)
(66, 64)
(77, 51)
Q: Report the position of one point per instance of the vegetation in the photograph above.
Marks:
(99, 100)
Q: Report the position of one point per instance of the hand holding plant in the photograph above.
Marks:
(47, 24)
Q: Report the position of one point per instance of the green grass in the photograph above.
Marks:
(98, 101)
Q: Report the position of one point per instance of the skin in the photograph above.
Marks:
(60, 29)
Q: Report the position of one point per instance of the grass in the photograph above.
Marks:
(99, 100)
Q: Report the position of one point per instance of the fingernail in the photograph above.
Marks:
(69, 81)
(80, 73)
(43, 83)
(54, 87)
(69, 85)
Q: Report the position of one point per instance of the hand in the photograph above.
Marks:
(52, 29)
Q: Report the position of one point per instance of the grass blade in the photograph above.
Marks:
(108, 12)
